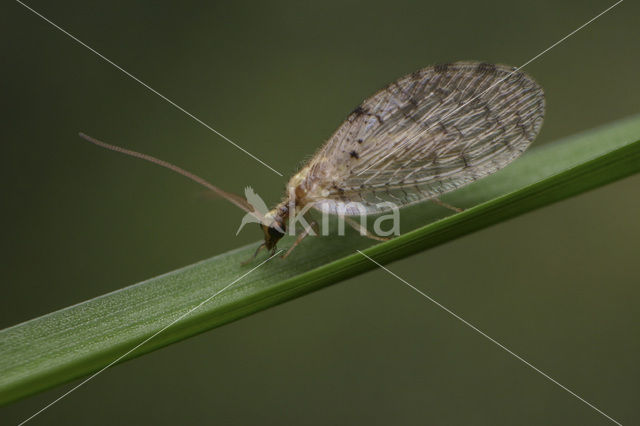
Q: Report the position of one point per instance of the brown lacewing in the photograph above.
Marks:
(424, 135)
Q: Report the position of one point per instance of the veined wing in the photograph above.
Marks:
(426, 134)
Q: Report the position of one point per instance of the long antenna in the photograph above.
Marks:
(238, 201)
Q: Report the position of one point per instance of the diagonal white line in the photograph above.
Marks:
(150, 88)
(147, 339)
(570, 34)
(490, 87)
(500, 345)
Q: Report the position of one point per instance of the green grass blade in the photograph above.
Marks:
(83, 338)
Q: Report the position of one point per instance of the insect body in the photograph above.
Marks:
(423, 135)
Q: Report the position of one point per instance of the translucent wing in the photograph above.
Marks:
(426, 134)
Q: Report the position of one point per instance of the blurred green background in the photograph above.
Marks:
(558, 286)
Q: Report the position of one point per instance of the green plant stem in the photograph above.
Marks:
(81, 339)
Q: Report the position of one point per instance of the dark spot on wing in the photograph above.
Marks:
(440, 68)
(485, 68)
(354, 154)
(359, 140)
(358, 111)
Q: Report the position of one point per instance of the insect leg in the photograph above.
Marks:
(303, 234)
(363, 231)
(254, 254)
(445, 205)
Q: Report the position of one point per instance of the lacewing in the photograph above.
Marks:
(423, 135)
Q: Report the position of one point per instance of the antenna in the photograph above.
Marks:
(234, 199)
